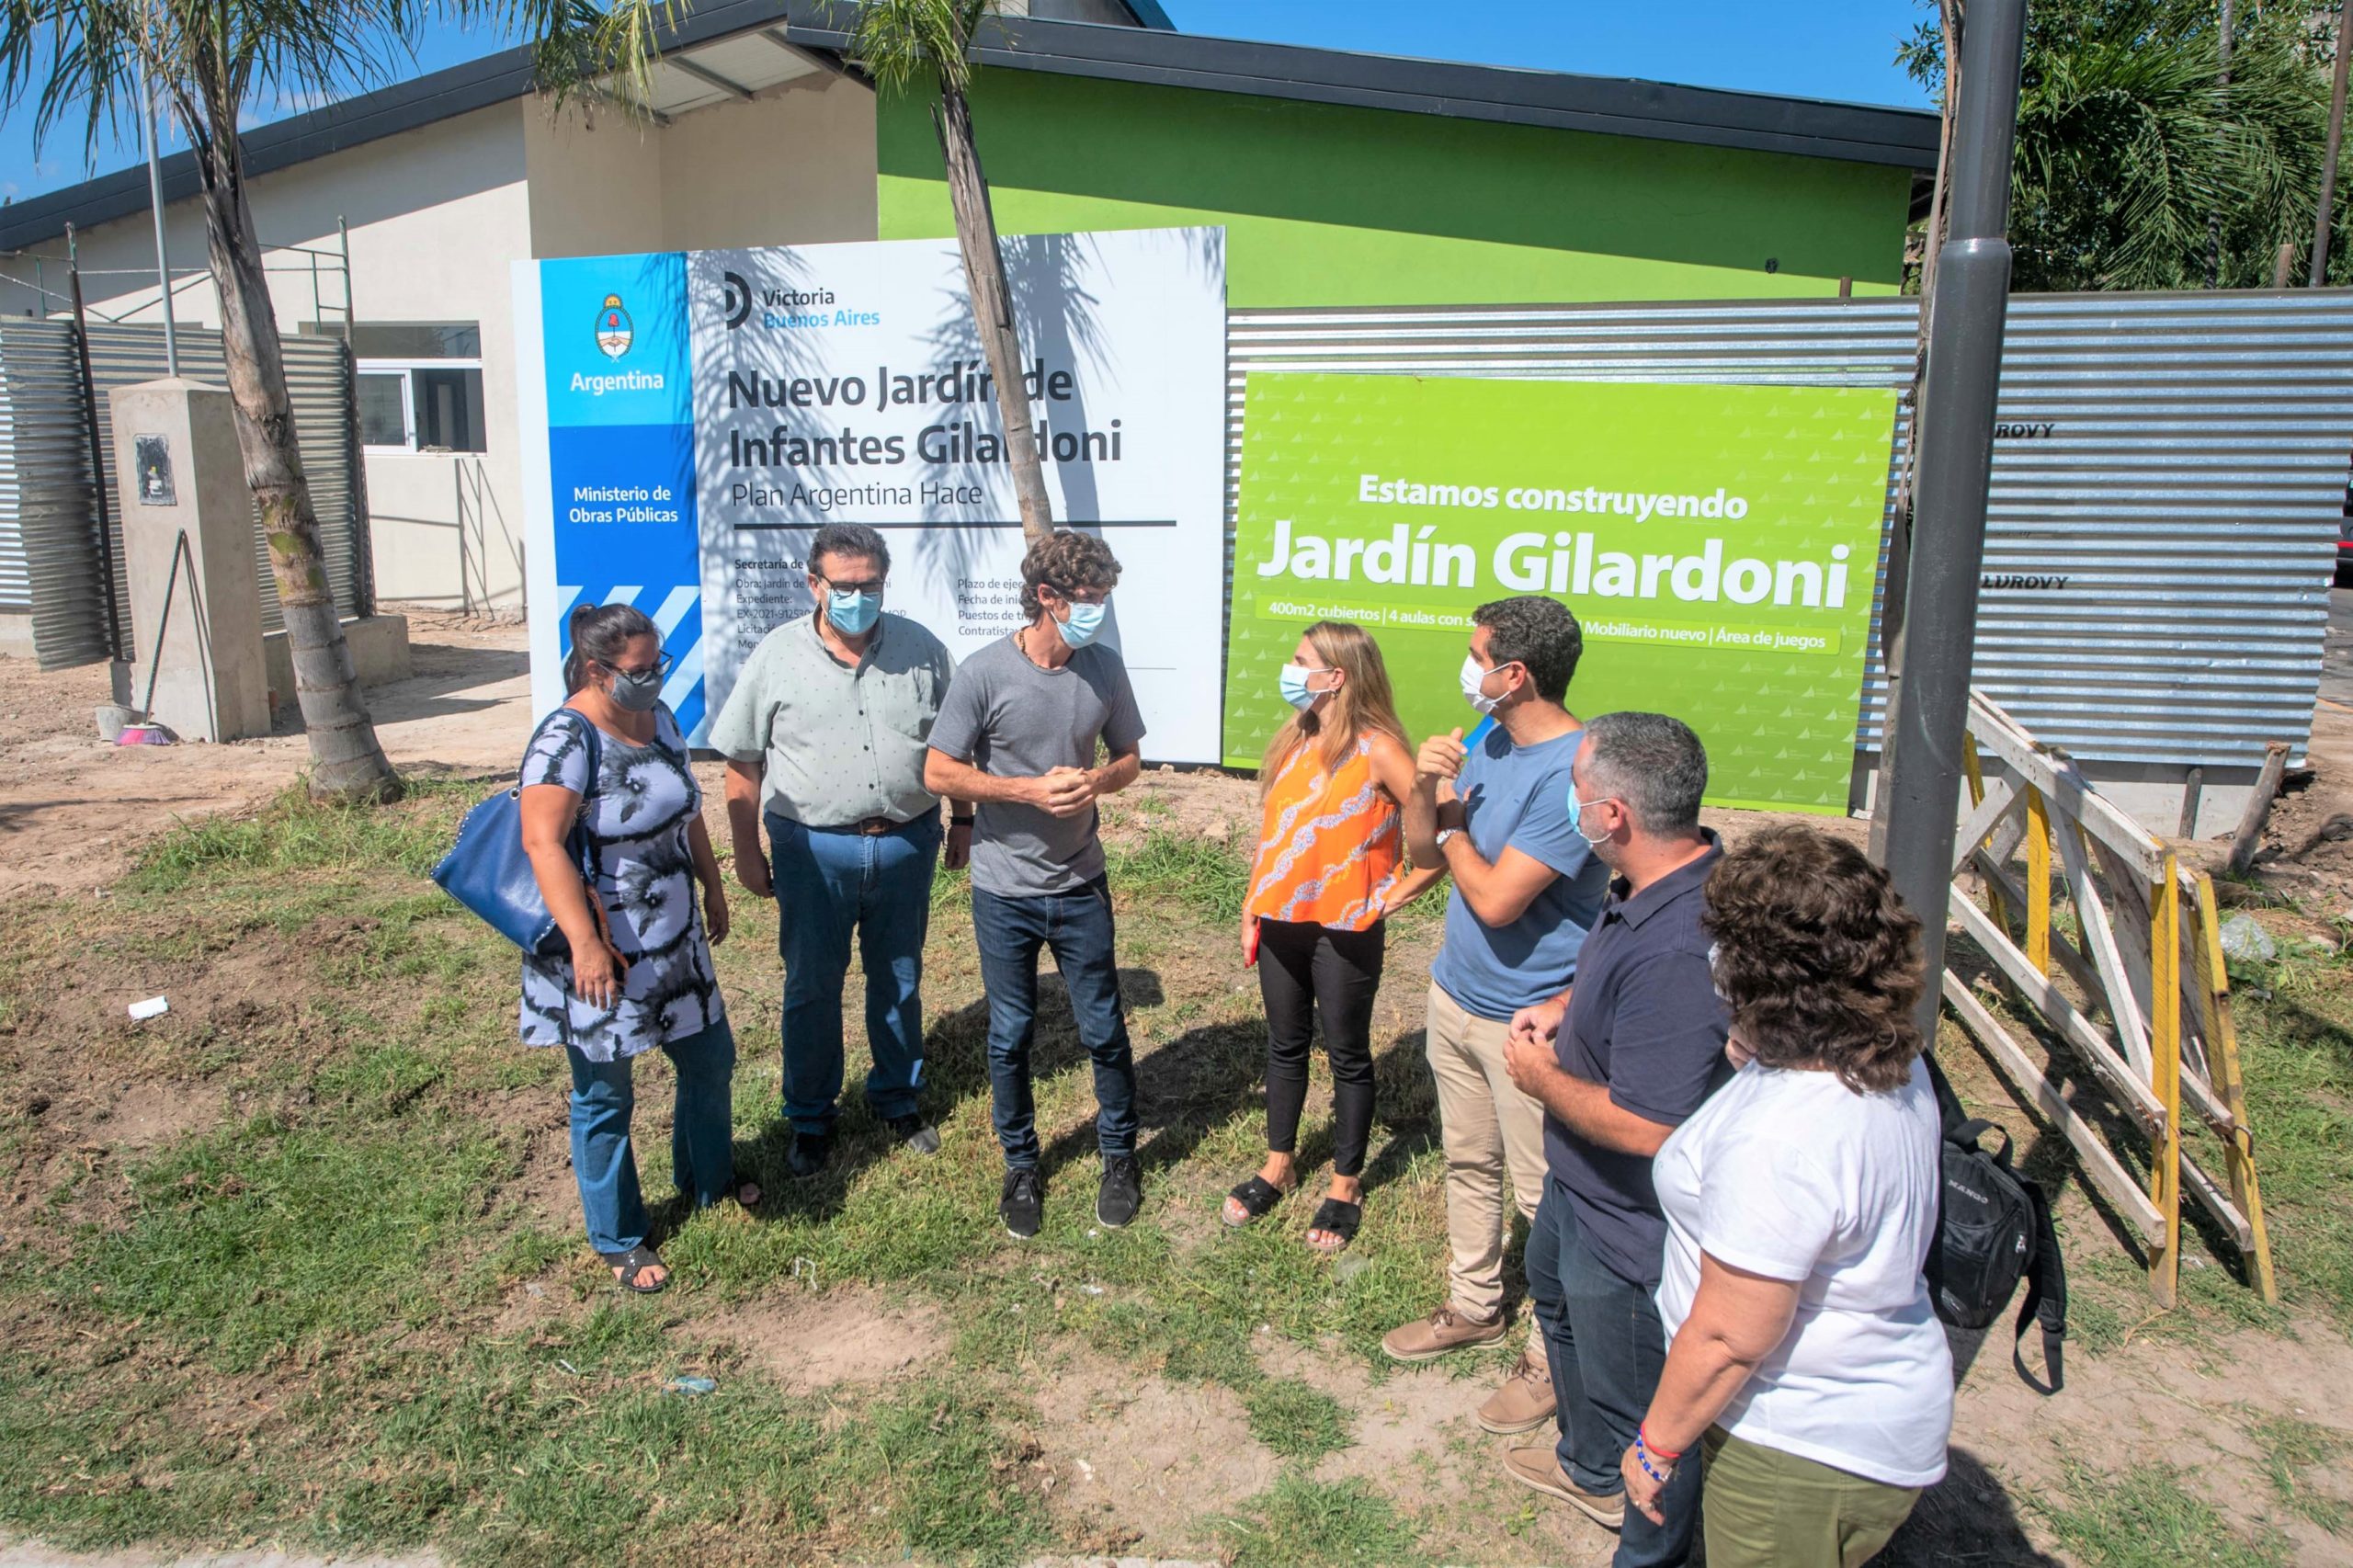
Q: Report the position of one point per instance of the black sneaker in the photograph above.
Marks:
(1023, 1203)
(917, 1133)
(1121, 1193)
(809, 1153)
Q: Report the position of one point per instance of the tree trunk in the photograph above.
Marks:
(967, 194)
(347, 762)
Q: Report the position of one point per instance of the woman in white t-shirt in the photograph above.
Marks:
(1805, 1356)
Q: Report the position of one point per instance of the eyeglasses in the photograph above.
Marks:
(872, 584)
(660, 667)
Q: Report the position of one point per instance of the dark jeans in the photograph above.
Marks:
(702, 1148)
(829, 884)
(1304, 968)
(1078, 925)
(1607, 1348)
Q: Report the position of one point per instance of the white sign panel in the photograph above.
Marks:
(846, 383)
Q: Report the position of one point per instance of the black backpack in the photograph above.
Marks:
(1993, 1228)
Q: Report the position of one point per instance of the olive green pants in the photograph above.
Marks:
(1763, 1508)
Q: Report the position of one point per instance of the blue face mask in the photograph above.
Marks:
(1086, 623)
(1577, 816)
(852, 614)
(1293, 681)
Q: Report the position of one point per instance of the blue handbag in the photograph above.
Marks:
(488, 872)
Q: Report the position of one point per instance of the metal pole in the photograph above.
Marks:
(343, 231)
(2224, 23)
(156, 200)
(2324, 221)
(1955, 432)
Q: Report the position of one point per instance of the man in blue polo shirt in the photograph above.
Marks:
(1495, 816)
(1642, 1046)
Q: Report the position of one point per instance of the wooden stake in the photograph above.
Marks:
(2192, 788)
(2038, 881)
(2165, 1053)
(1973, 767)
(2222, 1061)
(2249, 837)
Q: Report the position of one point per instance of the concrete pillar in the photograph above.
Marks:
(178, 470)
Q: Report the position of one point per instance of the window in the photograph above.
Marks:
(419, 385)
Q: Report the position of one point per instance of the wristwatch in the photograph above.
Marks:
(1443, 834)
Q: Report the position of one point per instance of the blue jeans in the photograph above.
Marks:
(1078, 925)
(702, 1147)
(1607, 1347)
(829, 883)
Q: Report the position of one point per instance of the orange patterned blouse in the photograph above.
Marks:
(1330, 848)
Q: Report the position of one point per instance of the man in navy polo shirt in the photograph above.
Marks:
(1642, 1046)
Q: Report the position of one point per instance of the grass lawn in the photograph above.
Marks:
(299, 1261)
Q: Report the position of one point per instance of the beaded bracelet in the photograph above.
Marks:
(1643, 1457)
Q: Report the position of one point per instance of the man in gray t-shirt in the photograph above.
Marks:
(1017, 732)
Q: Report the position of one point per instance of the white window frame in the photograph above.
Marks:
(406, 370)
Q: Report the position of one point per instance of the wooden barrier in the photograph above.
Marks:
(2138, 994)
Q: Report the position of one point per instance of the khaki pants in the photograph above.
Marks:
(1493, 1134)
(1764, 1508)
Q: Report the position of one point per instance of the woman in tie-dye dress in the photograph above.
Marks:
(1330, 867)
(640, 918)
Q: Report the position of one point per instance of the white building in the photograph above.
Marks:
(1343, 179)
(437, 184)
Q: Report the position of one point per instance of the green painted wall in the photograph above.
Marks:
(1338, 206)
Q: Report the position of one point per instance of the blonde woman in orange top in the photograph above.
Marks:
(1330, 867)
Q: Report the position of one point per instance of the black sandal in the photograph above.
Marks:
(1256, 1195)
(1340, 1220)
(634, 1263)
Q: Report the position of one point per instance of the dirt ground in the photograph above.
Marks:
(1137, 1449)
(73, 809)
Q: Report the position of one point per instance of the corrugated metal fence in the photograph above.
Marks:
(2167, 485)
(49, 561)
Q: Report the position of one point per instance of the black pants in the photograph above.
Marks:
(1303, 968)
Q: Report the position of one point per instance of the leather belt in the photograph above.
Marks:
(869, 827)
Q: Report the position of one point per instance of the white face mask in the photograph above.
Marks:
(1473, 677)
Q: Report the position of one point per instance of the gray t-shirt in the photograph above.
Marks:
(1012, 720)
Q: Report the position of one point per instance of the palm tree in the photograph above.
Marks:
(2150, 158)
(901, 43)
(207, 58)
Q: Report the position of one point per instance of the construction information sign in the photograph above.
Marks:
(692, 418)
(1718, 544)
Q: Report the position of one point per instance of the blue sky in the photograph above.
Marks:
(1840, 48)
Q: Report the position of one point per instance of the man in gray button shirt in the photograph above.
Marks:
(825, 734)
(1018, 736)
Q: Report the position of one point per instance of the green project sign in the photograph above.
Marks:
(1719, 545)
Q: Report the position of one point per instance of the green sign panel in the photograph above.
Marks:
(1718, 544)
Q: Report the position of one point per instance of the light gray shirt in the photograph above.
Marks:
(840, 744)
(1012, 720)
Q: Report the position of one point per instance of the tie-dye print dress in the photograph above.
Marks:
(1330, 847)
(637, 817)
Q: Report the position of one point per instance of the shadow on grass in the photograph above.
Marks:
(956, 1070)
(1966, 1518)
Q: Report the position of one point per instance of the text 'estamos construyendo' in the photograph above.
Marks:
(963, 386)
(1559, 561)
